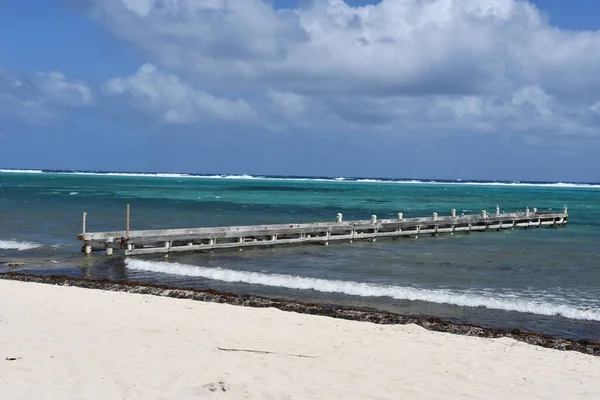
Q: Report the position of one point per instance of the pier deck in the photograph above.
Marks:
(234, 237)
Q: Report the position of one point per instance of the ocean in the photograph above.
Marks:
(542, 280)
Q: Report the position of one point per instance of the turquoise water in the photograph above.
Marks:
(545, 280)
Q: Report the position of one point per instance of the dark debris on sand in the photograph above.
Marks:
(372, 316)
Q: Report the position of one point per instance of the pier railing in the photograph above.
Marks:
(133, 242)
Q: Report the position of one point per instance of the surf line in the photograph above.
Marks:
(461, 298)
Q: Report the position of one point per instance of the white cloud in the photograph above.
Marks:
(56, 87)
(40, 98)
(291, 104)
(495, 64)
(140, 7)
(534, 97)
(176, 101)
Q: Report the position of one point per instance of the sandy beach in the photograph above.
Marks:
(74, 343)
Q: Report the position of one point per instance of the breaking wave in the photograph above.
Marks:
(314, 179)
(442, 296)
(22, 171)
(14, 245)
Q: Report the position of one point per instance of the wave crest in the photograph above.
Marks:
(22, 171)
(14, 245)
(441, 296)
(314, 179)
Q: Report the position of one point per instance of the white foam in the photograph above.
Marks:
(14, 245)
(239, 177)
(127, 174)
(307, 179)
(21, 171)
(464, 299)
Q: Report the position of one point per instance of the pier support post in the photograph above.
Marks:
(109, 249)
(127, 217)
(400, 216)
(339, 217)
(373, 219)
(83, 222)
(453, 213)
(497, 210)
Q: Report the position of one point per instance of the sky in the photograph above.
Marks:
(451, 89)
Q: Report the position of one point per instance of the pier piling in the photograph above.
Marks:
(83, 222)
(127, 217)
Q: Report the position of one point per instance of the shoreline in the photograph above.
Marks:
(337, 312)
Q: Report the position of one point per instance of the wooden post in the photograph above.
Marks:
(83, 222)
(127, 220)
(109, 249)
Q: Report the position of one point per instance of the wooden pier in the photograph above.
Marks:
(237, 237)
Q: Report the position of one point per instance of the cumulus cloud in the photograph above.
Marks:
(56, 87)
(176, 101)
(42, 97)
(464, 64)
(291, 104)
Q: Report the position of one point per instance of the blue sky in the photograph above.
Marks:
(472, 89)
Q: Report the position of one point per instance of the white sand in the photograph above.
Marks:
(77, 343)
